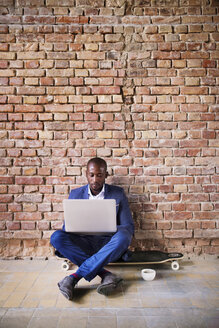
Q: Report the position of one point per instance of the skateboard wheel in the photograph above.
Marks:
(175, 265)
(65, 266)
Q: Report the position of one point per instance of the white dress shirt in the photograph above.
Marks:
(99, 196)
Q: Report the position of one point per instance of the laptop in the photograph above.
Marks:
(90, 216)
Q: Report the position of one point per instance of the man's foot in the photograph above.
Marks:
(66, 286)
(108, 284)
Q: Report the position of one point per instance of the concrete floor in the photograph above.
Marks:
(29, 297)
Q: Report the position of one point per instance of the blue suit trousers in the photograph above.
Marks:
(91, 252)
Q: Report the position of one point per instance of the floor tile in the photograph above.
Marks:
(101, 312)
(100, 322)
(15, 299)
(160, 321)
(72, 322)
(157, 312)
(42, 322)
(131, 321)
(16, 318)
(14, 322)
(2, 313)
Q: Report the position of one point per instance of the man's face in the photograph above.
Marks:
(96, 176)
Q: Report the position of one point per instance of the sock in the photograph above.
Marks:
(103, 272)
(76, 276)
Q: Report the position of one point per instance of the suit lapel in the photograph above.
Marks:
(109, 195)
(85, 192)
(107, 192)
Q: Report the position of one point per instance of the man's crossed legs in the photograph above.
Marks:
(90, 253)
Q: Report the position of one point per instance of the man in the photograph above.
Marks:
(92, 252)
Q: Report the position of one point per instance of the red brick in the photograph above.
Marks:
(6, 180)
(178, 225)
(88, 126)
(195, 197)
(53, 216)
(4, 81)
(165, 108)
(107, 108)
(76, 81)
(211, 249)
(139, 108)
(4, 216)
(151, 153)
(166, 188)
(165, 90)
(192, 143)
(191, 125)
(29, 180)
(43, 225)
(13, 225)
(82, 108)
(2, 226)
(57, 108)
(165, 55)
(164, 143)
(194, 108)
(28, 216)
(209, 134)
(209, 63)
(164, 225)
(59, 180)
(179, 207)
(46, 81)
(178, 216)
(104, 20)
(58, 37)
(4, 47)
(105, 90)
(6, 108)
(28, 108)
(206, 233)
(208, 224)
(179, 234)
(27, 235)
(67, 20)
(214, 198)
(103, 73)
(194, 90)
(29, 126)
(28, 225)
(205, 215)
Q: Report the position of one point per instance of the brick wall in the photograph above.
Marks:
(134, 82)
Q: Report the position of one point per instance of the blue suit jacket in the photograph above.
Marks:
(123, 214)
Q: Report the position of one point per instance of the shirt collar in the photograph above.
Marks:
(101, 193)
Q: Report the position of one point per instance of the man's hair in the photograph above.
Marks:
(98, 161)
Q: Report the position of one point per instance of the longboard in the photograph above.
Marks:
(152, 257)
(139, 258)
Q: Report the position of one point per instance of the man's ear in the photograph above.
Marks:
(107, 174)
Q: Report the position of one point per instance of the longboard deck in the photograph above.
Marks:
(150, 257)
(140, 257)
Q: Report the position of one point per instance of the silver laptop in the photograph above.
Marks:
(90, 216)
